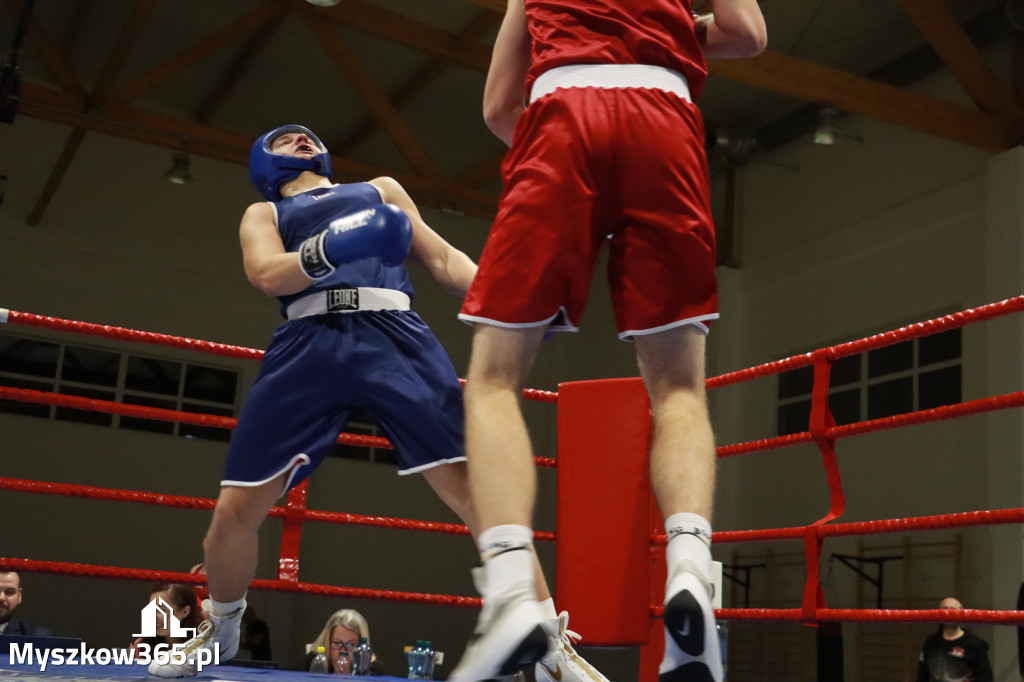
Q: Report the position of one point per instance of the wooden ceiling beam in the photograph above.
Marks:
(53, 56)
(387, 117)
(78, 16)
(402, 96)
(122, 121)
(131, 31)
(229, 81)
(479, 25)
(804, 80)
(496, 5)
(940, 28)
(126, 38)
(484, 171)
(401, 29)
(204, 48)
(67, 155)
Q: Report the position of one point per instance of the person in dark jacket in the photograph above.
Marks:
(953, 654)
(10, 599)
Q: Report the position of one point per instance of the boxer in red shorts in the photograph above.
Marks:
(595, 99)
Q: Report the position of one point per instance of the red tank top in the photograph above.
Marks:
(655, 32)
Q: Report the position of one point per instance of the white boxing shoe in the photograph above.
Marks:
(562, 663)
(216, 641)
(511, 634)
(691, 638)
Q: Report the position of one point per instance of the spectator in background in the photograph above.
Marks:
(341, 633)
(10, 599)
(255, 636)
(185, 606)
(953, 654)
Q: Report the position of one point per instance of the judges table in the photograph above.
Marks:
(22, 670)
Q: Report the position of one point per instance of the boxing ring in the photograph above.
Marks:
(615, 548)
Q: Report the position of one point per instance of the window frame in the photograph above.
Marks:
(865, 382)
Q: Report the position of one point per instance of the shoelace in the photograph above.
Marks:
(202, 634)
(565, 635)
(568, 636)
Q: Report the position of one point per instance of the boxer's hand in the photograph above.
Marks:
(382, 232)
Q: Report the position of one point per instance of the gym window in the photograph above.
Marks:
(107, 374)
(913, 375)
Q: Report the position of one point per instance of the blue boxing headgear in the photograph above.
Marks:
(268, 171)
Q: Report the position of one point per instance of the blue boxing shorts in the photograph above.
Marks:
(318, 369)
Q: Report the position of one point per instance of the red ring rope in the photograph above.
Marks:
(26, 395)
(822, 431)
(152, 338)
(92, 571)
(203, 503)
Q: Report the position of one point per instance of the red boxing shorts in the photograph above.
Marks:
(587, 164)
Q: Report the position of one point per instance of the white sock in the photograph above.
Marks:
(689, 540)
(498, 539)
(548, 607)
(505, 551)
(225, 608)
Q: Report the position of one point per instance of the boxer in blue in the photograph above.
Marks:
(333, 254)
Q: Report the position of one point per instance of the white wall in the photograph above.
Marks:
(864, 238)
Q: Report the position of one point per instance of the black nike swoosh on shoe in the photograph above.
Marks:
(684, 621)
(691, 672)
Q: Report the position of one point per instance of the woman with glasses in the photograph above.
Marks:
(341, 633)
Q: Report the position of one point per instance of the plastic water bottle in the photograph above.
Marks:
(723, 643)
(362, 657)
(415, 657)
(343, 666)
(427, 671)
(319, 664)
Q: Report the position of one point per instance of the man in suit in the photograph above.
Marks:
(10, 599)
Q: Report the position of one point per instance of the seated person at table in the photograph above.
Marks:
(10, 599)
(341, 633)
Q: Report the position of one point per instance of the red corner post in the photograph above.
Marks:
(291, 533)
(603, 553)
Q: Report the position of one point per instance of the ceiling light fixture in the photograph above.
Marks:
(828, 126)
(179, 174)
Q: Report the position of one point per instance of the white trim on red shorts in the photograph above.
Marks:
(293, 464)
(562, 326)
(697, 322)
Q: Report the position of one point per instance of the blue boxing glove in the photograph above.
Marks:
(382, 232)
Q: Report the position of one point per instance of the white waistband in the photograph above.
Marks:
(610, 76)
(347, 301)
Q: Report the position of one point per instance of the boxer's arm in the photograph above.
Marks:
(268, 266)
(452, 269)
(734, 29)
(505, 90)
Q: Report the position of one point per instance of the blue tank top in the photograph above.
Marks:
(301, 216)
